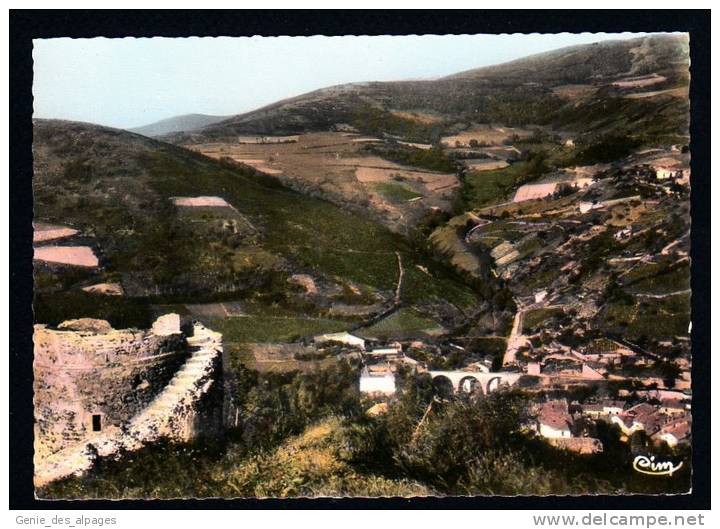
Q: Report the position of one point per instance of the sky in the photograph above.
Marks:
(131, 82)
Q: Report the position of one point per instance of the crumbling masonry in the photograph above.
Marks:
(100, 391)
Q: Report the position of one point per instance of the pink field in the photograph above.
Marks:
(198, 202)
(373, 162)
(374, 174)
(47, 232)
(485, 135)
(106, 289)
(69, 255)
(263, 140)
(636, 82)
(675, 92)
(534, 191)
(436, 182)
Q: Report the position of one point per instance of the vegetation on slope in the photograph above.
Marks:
(306, 435)
(162, 256)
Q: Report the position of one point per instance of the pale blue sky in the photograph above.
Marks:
(131, 82)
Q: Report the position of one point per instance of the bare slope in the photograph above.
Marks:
(117, 189)
(528, 91)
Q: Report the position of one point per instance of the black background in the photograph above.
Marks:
(26, 25)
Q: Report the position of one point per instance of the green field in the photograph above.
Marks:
(401, 324)
(396, 192)
(274, 329)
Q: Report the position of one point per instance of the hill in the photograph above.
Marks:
(256, 244)
(637, 86)
(184, 123)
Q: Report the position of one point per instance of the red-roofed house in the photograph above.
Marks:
(554, 420)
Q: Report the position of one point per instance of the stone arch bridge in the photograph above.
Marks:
(469, 381)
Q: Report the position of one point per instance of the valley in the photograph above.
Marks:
(526, 224)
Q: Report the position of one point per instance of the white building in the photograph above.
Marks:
(377, 385)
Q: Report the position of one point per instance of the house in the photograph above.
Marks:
(540, 296)
(613, 407)
(340, 337)
(554, 420)
(479, 366)
(674, 433)
(641, 417)
(378, 383)
(603, 409)
(533, 368)
(673, 407)
(388, 353)
(591, 373)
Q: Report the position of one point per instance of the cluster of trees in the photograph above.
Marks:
(433, 159)
(606, 148)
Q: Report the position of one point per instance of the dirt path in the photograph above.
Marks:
(516, 338)
(663, 296)
(480, 224)
(401, 273)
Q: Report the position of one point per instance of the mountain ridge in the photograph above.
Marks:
(519, 92)
(175, 124)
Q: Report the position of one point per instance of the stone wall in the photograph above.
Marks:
(85, 368)
(141, 386)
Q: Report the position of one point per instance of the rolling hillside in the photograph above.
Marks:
(117, 189)
(636, 86)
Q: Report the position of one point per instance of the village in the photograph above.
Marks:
(568, 397)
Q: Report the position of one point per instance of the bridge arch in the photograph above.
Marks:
(493, 384)
(465, 381)
(443, 386)
(470, 384)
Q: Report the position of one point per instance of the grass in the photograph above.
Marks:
(650, 318)
(120, 311)
(241, 354)
(403, 323)
(396, 192)
(143, 237)
(534, 320)
(487, 187)
(312, 464)
(657, 279)
(274, 329)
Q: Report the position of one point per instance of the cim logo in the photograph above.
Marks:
(648, 465)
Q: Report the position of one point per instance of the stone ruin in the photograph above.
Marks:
(100, 391)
